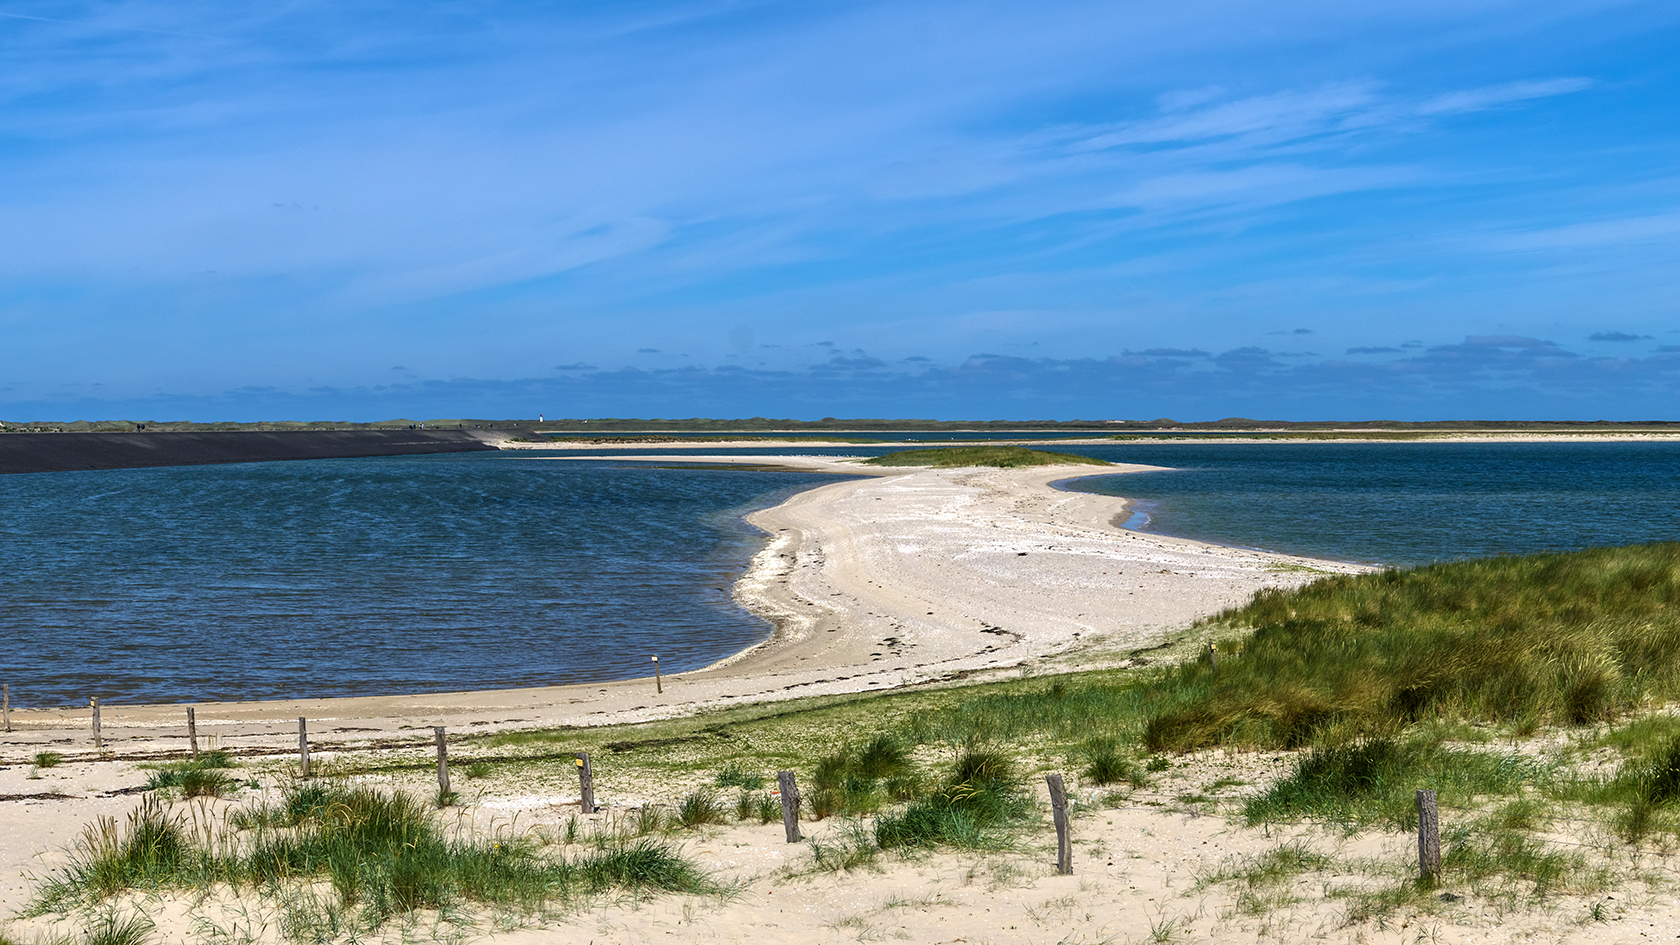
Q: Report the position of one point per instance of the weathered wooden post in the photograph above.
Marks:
(6, 697)
(1429, 836)
(303, 747)
(790, 804)
(192, 732)
(98, 736)
(1213, 656)
(443, 760)
(1059, 813)
(658, 686)
(586, 783)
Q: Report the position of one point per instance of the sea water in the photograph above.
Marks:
(363, 576)
(1402, 503)
(498, 570)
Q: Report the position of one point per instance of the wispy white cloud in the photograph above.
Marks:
(948, 172)
(1659, 228)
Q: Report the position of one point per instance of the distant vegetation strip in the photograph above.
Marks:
(1095, 427)
(1002, 456)
(765, 425)
(263, 426)
(656, 439)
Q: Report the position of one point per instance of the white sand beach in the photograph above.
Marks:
(905, 578)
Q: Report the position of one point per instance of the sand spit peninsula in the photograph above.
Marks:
(944, 637)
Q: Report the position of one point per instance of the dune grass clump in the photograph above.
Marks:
(850, 781)
(734, 775)
(1106, 764)
(1648, 786)
(1375, 782)
(152, 853)
(1525, 641)
(1007, 457)
(699, 808)
(47, 759)
(382, 856)
(980, 796)
(204, 776)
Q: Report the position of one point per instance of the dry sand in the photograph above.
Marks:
(906, 578)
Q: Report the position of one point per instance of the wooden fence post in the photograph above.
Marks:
(303, 747)
(6, 696)
(1429, 836)
(443, 760)
(98, 736)
(658, 686)
(586, 783)
(192, 732)
(790, 804)
(1059, 813)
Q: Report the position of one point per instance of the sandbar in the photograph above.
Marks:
(904, 577)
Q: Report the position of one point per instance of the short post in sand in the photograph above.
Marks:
(586, 783)
(658, 686)
(443, 760)
(303, 747)
(192, 732)
(1059, 813)
(98, 736)
(6, 697)
(1429, 837)
(790, 804)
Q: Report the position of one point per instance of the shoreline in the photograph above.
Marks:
(909, 577)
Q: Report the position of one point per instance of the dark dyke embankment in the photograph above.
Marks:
(61, 452)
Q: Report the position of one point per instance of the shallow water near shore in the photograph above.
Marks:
(1402, 503)
(369, 576)
(488, 571)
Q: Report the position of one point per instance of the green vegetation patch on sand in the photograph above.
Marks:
(1565, 639)
(1007, 457)
(347, 860)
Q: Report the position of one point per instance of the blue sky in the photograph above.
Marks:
(1119, 209)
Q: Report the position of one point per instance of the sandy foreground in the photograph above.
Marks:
(907, 578)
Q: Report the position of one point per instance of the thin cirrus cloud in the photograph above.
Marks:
(340, 186)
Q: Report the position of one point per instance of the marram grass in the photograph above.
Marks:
(1553, 639)
(1003, 456)
(383, 856)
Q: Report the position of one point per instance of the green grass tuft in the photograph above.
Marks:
(1375, 782)
(1007, 457)
(734, 775)
(111, 930)
(382, 856)
(980, 795)
(699, 808)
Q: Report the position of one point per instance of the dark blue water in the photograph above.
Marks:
(363, 576)
(1403, 503)
(475, 571)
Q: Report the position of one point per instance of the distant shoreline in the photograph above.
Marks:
(69, 452)
(909, 577)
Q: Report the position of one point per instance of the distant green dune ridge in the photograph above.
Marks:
(1551, 639)
(1007, 457)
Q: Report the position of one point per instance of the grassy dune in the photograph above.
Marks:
(1556, 639)
(1007, 457)
(1384, 682)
